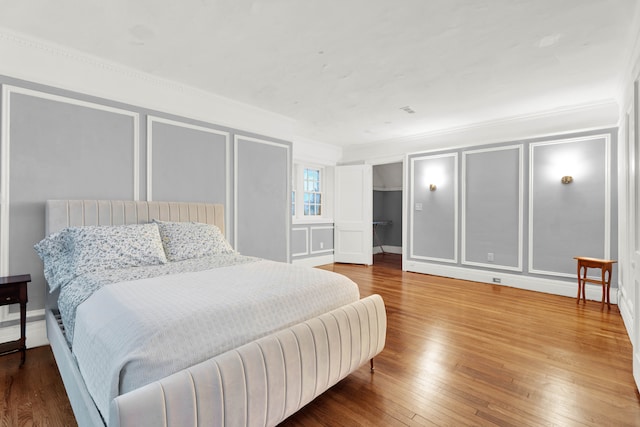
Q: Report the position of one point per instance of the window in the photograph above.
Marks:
(312, 193)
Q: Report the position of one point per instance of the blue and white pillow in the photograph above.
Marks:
(55, 256)
(188, 240)
(78, 250)
(97, 248)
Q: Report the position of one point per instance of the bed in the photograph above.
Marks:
(244, 378)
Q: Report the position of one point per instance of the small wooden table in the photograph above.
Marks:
(605, 266)
(13, 290)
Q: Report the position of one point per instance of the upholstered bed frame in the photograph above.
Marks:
(258, 384)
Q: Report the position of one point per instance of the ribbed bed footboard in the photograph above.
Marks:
(263, 382)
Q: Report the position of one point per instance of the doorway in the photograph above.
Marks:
(387, 214)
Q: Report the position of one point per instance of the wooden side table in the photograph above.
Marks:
(605, 266)
(13, 290)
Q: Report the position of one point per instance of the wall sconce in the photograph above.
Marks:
(567, 179)
(432, 187)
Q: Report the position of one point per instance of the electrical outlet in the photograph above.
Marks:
(321, 245)
(490, 256)
(496, 280)
(418, 206)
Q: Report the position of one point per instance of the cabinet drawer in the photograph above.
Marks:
(9, 295)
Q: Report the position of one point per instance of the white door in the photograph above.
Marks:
(353, 215)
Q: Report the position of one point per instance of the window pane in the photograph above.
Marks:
(312, 199)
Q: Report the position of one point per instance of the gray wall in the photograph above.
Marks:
(515, 214)
(188, 162)
(311, 240)
(261, 170)
(567, 220)
(492, 207)
(67, 145)
(433, 215)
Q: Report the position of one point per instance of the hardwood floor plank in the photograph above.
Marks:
(458, 353)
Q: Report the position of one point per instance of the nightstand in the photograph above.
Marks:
(13, 290)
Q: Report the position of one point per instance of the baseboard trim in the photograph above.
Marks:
(625, 305)
(314, 261)
(36, 333)
(549, 286)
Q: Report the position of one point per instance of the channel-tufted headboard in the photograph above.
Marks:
(66, 213)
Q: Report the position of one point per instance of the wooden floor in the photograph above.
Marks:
(458, 353)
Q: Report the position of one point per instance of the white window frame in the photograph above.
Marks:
(298, 190)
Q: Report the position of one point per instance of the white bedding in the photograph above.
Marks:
(129, 334)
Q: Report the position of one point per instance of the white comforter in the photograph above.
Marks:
(129, 334)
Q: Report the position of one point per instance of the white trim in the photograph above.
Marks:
(387, 188)
(625, 305)
(583, 108)
(494, 266)
(306, 241)
(30, 58)
(310, 221)
(36, 333)
(5, 155)
(227, 147)
(625, 217)
(16, 314)
(607, 197)
(4, 185)
(287, 147)
(322, 251)
(521, 128)
(314, 261)
(406, 179)
(412, 171)
(538, 284)
(464, 261)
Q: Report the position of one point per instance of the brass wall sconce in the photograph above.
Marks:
(567, 179)
(432, 187)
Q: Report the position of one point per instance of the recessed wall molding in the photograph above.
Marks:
(152, 120)
(253, 170)
(5, 154)
(560, 224)
(305, 232)
(15, 98)
(497, 227)
(433, 215)
(326, 250)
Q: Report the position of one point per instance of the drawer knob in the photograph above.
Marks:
(7, 299)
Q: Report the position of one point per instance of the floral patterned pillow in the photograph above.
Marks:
(187, 240)
(55, 255)
(98, 248)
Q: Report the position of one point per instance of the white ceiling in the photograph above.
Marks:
(345, 70)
